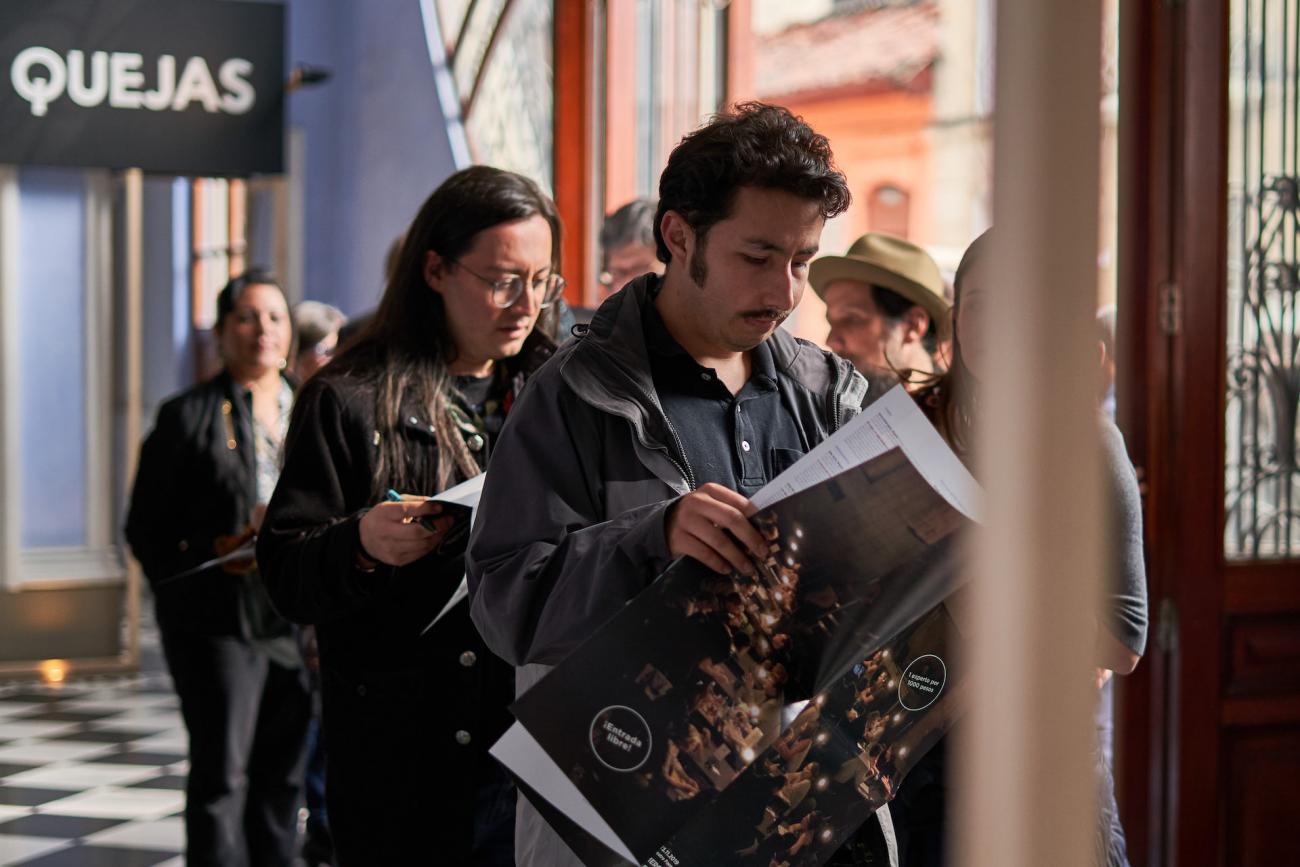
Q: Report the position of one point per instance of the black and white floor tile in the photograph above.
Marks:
(92, 772)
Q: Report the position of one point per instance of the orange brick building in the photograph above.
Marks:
(865, 80)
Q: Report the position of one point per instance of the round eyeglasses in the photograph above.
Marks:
(506, 291)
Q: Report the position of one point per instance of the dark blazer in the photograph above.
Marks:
(196, 481)
(398, 704)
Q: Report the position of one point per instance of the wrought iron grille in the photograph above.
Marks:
(1263, 375)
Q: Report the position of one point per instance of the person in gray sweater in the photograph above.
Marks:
(951, 404)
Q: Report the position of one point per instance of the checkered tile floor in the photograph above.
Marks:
(92, 773)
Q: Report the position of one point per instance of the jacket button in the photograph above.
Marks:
(414, 420)
(361, 690)
(468, 658)
(475, 443)
(463, 738)
(184, 545)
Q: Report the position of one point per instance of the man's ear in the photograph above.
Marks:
(678, 236)
(433, 271)
(916, 321)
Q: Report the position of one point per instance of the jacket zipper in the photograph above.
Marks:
(835, 400)
(684, 465)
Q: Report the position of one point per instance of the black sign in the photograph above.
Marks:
(170, 86)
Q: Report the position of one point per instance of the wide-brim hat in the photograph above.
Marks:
(894, 264)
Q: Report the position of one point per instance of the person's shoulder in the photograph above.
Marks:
(808, 364)
(1111, 435)
(819, 371)
(1113, 446)
(549, 397)
(549, 376)
(334, 404)
(345, 391)
(189, 402)
(782, 342)
(203, 390)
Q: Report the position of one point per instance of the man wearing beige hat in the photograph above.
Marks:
(885, 304)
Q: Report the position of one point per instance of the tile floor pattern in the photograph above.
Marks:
(92, 773)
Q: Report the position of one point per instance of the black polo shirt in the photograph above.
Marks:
(740, 441)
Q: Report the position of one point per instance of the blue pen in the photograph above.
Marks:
(393, 497)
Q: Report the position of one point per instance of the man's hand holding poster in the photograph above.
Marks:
(661, 737)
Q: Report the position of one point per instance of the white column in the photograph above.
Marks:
(1026, 779)
(133, 342)
(10, 432)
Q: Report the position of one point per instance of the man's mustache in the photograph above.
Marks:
(767, 313)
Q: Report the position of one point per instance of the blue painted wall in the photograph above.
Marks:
(376, 142)
(51, 356)
(167, 353)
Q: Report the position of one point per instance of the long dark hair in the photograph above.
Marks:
(952, 395)
(405, 349)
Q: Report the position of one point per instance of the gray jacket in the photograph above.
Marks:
(570, 526)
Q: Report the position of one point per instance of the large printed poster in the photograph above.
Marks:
(760, 719)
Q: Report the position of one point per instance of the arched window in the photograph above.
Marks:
(887, 210)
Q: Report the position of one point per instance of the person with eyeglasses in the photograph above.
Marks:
(627, 246)
(627, 242)
(414, 405)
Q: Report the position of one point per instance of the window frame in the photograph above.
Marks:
(100, 559)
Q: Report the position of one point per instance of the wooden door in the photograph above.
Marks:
(1209, 726)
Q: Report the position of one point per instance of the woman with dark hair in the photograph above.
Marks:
(414, 405)
(205, 475)
(952, 403)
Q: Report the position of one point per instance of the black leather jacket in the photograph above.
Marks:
(196, 481)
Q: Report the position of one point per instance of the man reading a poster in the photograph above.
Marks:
(642, 440)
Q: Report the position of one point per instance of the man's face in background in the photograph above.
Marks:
(860, 331)
(627, 262)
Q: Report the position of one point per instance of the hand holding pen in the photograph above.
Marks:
(402, 529)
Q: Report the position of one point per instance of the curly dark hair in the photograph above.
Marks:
(750, 145)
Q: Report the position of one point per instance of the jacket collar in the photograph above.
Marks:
(609, 366)
(233, 391)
